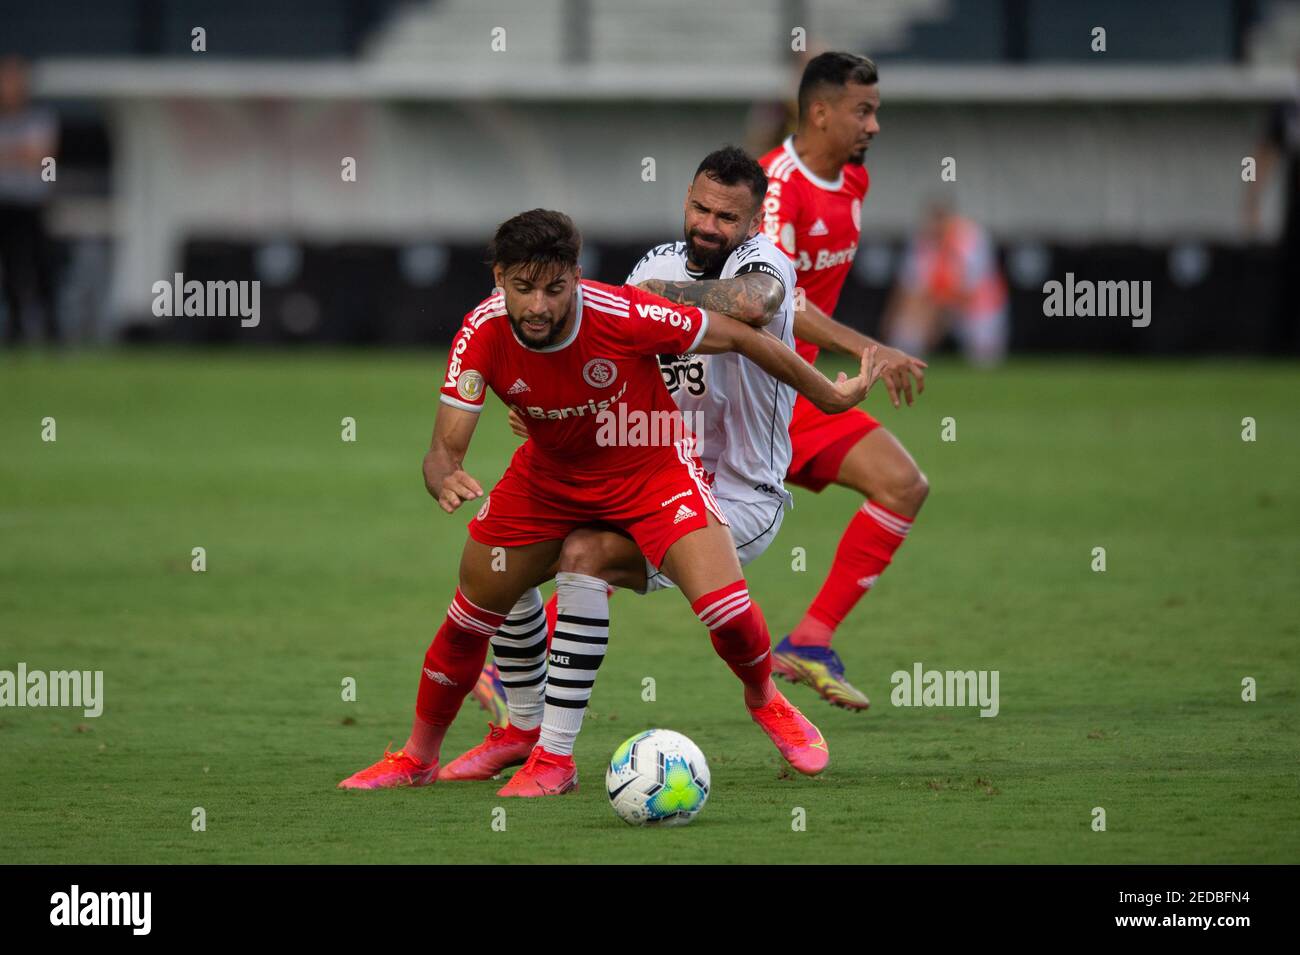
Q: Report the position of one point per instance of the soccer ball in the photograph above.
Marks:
(657, 778)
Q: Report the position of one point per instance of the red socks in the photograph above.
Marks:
(451, 668)
(740, 637)
(865, 550)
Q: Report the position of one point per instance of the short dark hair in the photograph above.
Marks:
(731, 166)
(542, 240)
(833, 69)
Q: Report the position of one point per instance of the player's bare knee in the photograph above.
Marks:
(917, 489)
(585, 552)
(904, 493)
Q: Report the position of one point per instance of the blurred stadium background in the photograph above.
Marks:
(225, 164)
(324, 558)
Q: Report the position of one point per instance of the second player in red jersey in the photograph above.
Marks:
(813, 211)
(816, 222)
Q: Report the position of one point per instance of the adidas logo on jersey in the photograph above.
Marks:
(684, 513)
(818, 228)
(438, 677)
(519, 387)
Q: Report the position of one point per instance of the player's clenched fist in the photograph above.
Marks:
(451, 485)
(457, 488)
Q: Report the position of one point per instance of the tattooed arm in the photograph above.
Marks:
(752, 298)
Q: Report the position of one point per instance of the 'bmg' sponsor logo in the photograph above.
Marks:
(683, 371)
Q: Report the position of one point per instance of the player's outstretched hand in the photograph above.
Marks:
(517, 424)
(901, 369)
(851, 391)
(457, 488)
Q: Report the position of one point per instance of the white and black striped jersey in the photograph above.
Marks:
(740, 413)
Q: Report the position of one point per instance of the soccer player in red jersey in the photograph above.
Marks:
(563, 350)
(813, 211)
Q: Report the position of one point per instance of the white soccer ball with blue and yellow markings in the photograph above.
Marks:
(657, 778)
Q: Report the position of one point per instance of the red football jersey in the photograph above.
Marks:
(610, 357)
(816, 222)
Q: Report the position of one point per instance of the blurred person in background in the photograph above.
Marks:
(1281, 144)
(950, 282)
(28, 134)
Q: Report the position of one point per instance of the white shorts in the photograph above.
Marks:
(753, 525)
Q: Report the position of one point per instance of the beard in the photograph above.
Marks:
(708, 258)
(859, 155)
(529, 338)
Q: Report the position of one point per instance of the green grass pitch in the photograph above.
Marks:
(326, 560)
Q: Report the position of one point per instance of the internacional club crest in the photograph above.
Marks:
(599, 372)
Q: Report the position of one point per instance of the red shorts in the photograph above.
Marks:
(820, 441)
(656, 505)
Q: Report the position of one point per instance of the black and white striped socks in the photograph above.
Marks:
(577, 650)
(519, 646)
